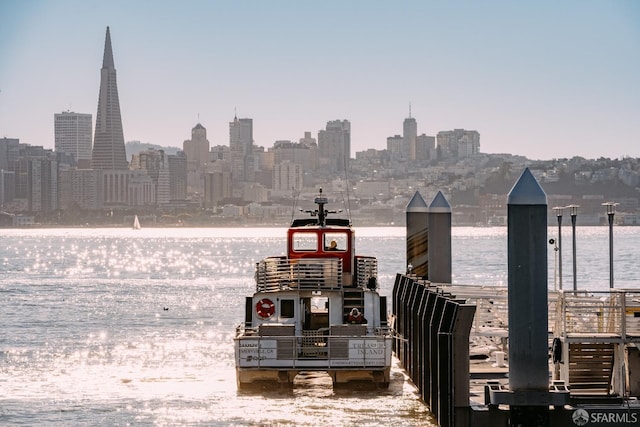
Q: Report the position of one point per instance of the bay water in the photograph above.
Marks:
(135, 327)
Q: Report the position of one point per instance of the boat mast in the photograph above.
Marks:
(321, 200)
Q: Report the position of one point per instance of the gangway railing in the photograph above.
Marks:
(616, 311)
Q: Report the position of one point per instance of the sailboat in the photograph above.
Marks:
(136, 223)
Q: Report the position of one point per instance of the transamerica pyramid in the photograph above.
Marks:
(108, 143)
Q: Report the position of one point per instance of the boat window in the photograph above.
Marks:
(335, 241)
(319, 305)
(286, 308)
(305, 242)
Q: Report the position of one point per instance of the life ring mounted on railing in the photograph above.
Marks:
(265, 308)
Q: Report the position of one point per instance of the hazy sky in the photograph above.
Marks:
(544, 79)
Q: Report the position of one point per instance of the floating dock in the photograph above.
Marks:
(520, 355)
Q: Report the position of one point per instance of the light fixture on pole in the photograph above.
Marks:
(559, 210)
(573, 212)
(611, 211)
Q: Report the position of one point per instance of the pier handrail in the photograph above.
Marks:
(614, 311)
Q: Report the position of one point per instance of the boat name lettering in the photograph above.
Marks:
(368, 345)
(370, 351)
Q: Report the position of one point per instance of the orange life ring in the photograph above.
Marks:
(265, 308)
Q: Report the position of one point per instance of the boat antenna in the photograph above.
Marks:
(346, 178)
(295, 195)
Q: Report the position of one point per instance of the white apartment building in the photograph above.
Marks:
(288, 176)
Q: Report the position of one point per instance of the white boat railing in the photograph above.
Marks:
(366, 272)
(346, 347)
(281, 273)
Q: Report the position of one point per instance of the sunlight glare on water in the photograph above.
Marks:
(115, 327)
(124, 327)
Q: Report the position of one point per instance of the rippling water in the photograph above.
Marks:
(120, 326)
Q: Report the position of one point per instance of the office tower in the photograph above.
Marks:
(7, 187)
(196, 150)
(178, 176)
(73, 136)
(42, 185)
(409, 134)
(108, 143)
(217, 187)
(241, 146)
(156, 164)
(79, 189)
(9, 151)
(334, 144)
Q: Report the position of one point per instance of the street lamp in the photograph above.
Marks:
(611, 211)
(573, 211)
(559, 210)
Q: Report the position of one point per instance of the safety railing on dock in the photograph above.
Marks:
(281, 273)
(613, 312)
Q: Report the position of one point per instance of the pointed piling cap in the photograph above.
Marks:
(439, 204)
(417, 204)
(107, 59)
(527, 191)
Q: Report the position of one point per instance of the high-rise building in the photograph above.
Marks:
(156, 164)
(43, 185)
(80, 189)
(241, 146)
(73, 136)
(409, 134)
(9, 151)
(288, 176)
(7, 187)
(108, 143)
(196, 150)
(217, 187)
(334, 144)
(178, 176)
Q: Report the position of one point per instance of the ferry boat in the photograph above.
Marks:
(317, 308)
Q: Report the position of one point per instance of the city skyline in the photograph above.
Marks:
(545, 81)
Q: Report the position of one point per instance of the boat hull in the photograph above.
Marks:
(345, 358)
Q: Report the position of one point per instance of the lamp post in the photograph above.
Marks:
(611, 211)
(559, 210)
(573, 212)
